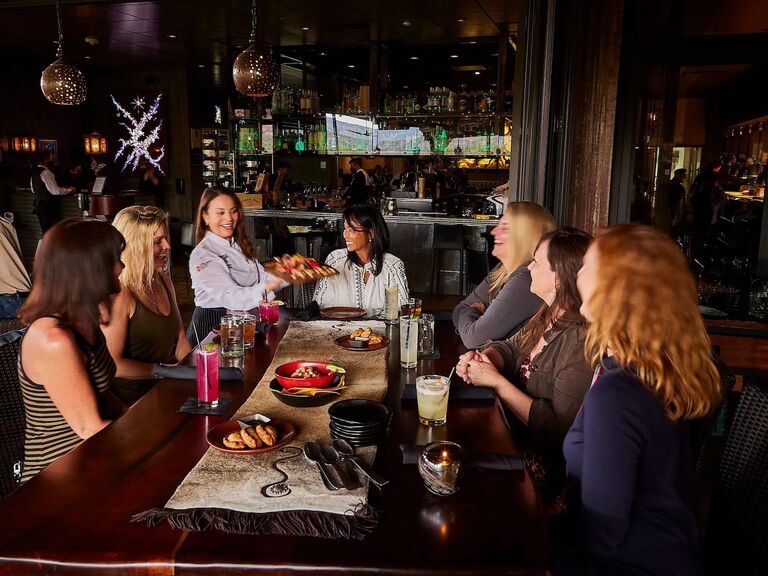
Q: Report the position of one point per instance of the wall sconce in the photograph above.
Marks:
(94, 144)
(24, 144)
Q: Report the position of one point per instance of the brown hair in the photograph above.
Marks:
(645, 309)
(567, 247)
(529, 222)
(201, 227)
(74, 272)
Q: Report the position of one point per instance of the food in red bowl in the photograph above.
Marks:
(304, 374)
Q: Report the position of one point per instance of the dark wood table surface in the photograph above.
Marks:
(74, 517)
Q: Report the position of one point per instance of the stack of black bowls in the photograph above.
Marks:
(360, 422)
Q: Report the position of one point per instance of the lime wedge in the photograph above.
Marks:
(278, 302)
(211, 346)
(336, 368)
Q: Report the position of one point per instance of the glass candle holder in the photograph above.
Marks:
(441, 466)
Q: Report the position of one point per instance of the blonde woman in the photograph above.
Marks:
(628, 450)
(145, 327)
(503, 302)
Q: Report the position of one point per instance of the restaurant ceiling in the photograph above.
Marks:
(179, 33)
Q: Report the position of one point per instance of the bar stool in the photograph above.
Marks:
(446, 237)
(477, 266)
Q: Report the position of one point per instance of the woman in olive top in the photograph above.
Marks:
(541, 373)
(145, 327)
(64, 364)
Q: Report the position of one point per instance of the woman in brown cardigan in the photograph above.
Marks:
(541, 373)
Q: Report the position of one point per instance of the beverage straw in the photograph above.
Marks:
(205, 356)
(451, 374)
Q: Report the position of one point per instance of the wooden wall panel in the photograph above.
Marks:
(598, 24)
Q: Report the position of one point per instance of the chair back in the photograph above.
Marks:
(12, 419)
(737, 530)
(477, 266)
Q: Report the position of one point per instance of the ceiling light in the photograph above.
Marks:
(350, 65)
(256, 73)
(171, 35)
(323, 54)
(414, 57)
(305, 28)
(477, 72)
(87, 57)
(461, 19)
(454, 55)
(201, 65)
(62, 83)
(495, 55)
(406, 23)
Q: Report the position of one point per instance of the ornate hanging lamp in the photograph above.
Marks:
(255, 72)
(62, 83)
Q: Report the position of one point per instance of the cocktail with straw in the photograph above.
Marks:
(409, 340)
(207, 361)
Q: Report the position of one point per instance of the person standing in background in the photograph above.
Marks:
(676, 196)
(14, 279)
(149, 183)
(47, 192)
(357, 193)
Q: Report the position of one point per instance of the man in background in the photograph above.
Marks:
(676, 194)
(357, 193)
(47, 192)
(14, 279)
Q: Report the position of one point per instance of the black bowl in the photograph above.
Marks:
(365, 432)
(357, 442)
(358, 429)
(299, 400)
(359, 411)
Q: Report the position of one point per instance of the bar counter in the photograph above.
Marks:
(428, 218)
(74, 517)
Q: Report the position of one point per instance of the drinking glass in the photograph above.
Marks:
(409, 336)
(432, 399)
(426, 334)
(412, 307)
(249, 330)
(441, 467)
(269, 312)
(207, 360)
(231, 335)
(390, 304)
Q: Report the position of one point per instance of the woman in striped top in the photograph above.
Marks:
(64, 365)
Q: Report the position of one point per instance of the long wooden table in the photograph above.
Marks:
(74, 517)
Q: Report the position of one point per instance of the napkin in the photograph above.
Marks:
(190, 407)
(190, 372)
(311, 311)
(458, 392)
(479, 460)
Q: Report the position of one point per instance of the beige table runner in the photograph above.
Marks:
(280, 492)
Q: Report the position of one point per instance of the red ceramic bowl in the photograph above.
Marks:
(283, 375)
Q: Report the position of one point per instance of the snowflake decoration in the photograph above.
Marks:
(138, 103)
(136, 145)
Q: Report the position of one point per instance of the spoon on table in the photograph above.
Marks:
(346, 452)
(331, 456)
(312, 453)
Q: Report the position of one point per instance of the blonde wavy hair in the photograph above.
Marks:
(138, 225)
(645, 310)
(529, 222)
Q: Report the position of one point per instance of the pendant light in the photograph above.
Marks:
(62, 83)
(255, 72)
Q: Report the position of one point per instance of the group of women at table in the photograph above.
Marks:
(594, 346)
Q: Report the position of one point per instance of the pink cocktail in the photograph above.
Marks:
(207, 360)
(269, 312)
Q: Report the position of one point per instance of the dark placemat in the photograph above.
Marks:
(190, 407)
(458, 392)
(434, 356)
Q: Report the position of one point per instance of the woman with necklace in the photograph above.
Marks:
(541, 374)
(145, 327)
(365, 267)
